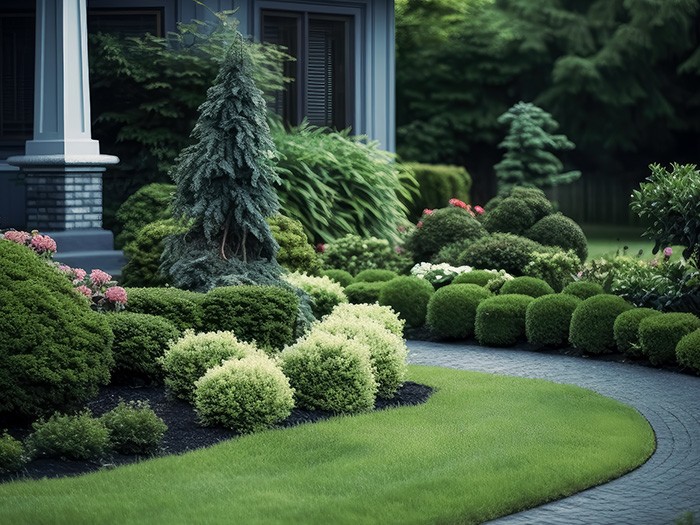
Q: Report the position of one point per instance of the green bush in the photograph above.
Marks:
(189, 357)
(583, 289)
(444, 226)
(354, 254)
(561, 231)
(659, 335)
(295, 253)
(512, 215)
(54, 351)
(548, 318)
(373, 276)
(408, 296)
(384, 315)
(139, 340)
(438, 184)
(501, 251)
(535, 198)
(78, 436)
(359, 293)
(330, 372)
(180, 307)
(325, 294)
(148, 204)
(134, 428)
(342, 277)
(264, 314)
(688, 351)
(592, 323)
(12, 456)
(450, 253)
(247, 395)
(452, 310)
(526, 286)
(500, 320)
(626, 330)
(557, 269)
(480, 277)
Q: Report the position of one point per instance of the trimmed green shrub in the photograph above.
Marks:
(408, 296)
(501, 251)
(559, 230)
(180, 307)
(583, 289)
(353, 254)
(12, 456)
(342, 277)
(526, 286)
(373, 276)
(295, 253)
(442, 227)
(659, 335)
(500, 320)
(264, 314)
(548, 318)
(139, 340)
(557, 269)
(688, 351)
(247, 395)
(512, 215)
(437, 185)
(359, 293)
(480, 277)
(450, 252)
(78, 436)
(54, 350)
(535, 198)
(189, 357)
(384, 315)
(330, 372)
(626, 330)
(325, 294)
(134, 428)
(592, 323)
(452, 310)
(148, 204)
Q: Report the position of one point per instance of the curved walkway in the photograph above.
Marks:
(657, 493)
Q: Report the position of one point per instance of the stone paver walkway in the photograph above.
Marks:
(657, 493)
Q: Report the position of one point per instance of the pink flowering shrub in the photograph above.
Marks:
(43, 245)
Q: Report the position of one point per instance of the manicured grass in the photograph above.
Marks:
(609, 240)
(481, 447)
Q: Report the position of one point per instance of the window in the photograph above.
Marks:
(322, 74)
(126, 22)
(16, 76)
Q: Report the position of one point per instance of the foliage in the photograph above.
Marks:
(592, 323)
(449, 254)
(325, 293)
(440, 228)
(247, 395)
(295, 253)
(342, 277)
(78, 436)
(452, 310)
(408, 296)
(354, 254)
(500, 320)
(363, 292)
(134, 428)
(688, 351)
(437, 184)
(557, 269)
(512, 215)
(531, 286)
(583, 289)
(659, 335)
(480, 277)
(501, 251)
(180, 307)
(139, 340)
(12, 456)
(547, 319)
(561, 231)
(371, 276)
(54, 351)
(384, 315)
(148, 204)
(626, 330)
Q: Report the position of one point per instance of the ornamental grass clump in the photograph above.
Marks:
(659, 335)
(12, 454)
(626, 330)
(360, 293)
(452, 310)
(325, 293)
(500, 320)
(526, 286)
(592, 323)
(384, 315)
(408, 296)
(688, 351)
(78, 436)
(548, 318)
(134, 428)
(583, 289)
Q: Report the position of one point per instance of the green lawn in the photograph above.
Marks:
(609, 240)
(481, 447)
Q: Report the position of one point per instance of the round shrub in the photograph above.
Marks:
(449, 254)
(688, 351)
(659, 335)
(444, 226)
(500, 320)
(134, 428)
(149, 203)
(325, 293)
(359, 293)
(78, 436)
(342, 277)
(548, 318)
(12, 456)
(592, 324)
(480, 277)
(536, 200)
(512, 215)
(247, 395)
(408, 296)
(55, 351)
(330, 372)
(189, 357)
(556, 269)
(353, 254)
(526, 286)
(295, 252)
(559, 230)
(374, 276)
(452, 310)
(139, 341)
(501, 251)
(384, 315)
(626, 330)
(583, 289)
(180, 307)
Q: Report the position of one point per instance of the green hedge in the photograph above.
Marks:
(500, 320)
(531, 286)
(444, 226)
(688, 351)
(408, 296)
(583, 289)
(626, 330)
(364, 293)
(548, 318)
(148, 204)
(561, 231)
(452, 310)
(501, 251)
(181, 307)
(592, 324)
(659, 335)
(437, 185)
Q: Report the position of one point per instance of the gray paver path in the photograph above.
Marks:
(660, 491)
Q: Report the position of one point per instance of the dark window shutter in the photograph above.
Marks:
(126, 22)
(320, 88)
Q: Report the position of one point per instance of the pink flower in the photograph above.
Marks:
(320, 247)
(85, 291)
(43, 244)
(428, 211)
(65, 269)
(668, 251)
(116, 294)
(479, 210)
(419, 224)
(98, 277)
(19, 237)
(79, 274)
(458, 203)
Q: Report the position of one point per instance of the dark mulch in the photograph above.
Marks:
(183, 432)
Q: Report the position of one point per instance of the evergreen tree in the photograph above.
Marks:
(530, 145)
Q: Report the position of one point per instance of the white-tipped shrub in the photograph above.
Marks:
(382, 314)
(325, 293)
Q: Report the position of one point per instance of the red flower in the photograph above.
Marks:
(479, 210)
(458, 203)
(320, 247)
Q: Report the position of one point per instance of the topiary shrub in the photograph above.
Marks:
(548, 318)
(149, 203)
(189, 357)
(512, 215)
(501, 251)
(359, 293)
(500, 320)
(626, 330)
(561, 231)
(139, 340)
(592, 323)
(264, 314)
(408, 296)
(12, 456)
(325, 294)
(295, 252)
(437, 185)
(442, 227)
(54, 350)
(535, 198)
(583, 289)
(180, 307)
(526, 286)
(659, 335)
(480, 277)
(353, 254)
(688, 351)
(247, 395)
(78, 436)
(134, 428)
(342, 277)
(373, 276)
(451, 252)
(384, 315)
(452, 310)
